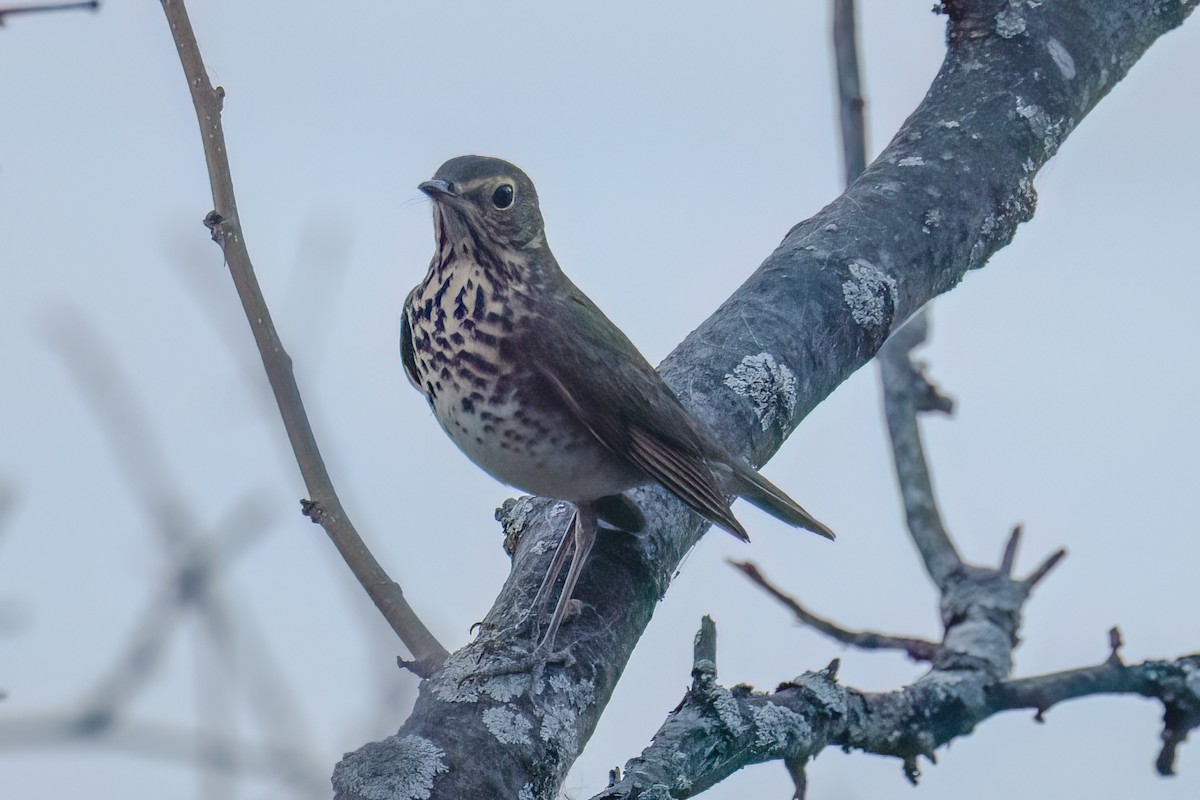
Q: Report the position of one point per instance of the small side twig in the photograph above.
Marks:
(905, 391)
(324, 506)
(916, 649)
(1044, 568)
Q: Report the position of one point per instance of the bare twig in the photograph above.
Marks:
(903, 388)
(849, 89)
(324, 506)
(916, 649)
(704, 650)
(1010, 550)
(1044, 568)
(6, 11)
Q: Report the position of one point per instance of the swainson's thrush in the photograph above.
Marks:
(540, 389)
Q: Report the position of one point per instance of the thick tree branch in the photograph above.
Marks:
(946, 194)
(324, 507)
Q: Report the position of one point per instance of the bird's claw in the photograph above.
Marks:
(533, 662)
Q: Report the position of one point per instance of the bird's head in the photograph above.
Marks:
(487, 197)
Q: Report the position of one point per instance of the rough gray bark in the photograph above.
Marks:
(946, 194)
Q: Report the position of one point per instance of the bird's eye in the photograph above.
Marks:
(503, 196)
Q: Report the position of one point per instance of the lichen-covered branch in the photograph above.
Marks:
(943, 197)
(716, 731)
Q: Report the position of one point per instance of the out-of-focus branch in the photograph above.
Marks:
(169, 743)
(906, 393)
(916, 649)
(324, 506)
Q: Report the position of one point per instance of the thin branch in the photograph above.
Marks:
(904, 386)
(1044, 568)
(1175, 683)
(324, 507)
(704, 651)
(916, 649)
(7, 11)
(849, 90)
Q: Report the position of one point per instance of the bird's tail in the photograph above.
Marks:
(771, 499)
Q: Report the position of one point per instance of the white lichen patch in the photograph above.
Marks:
(911, 161)
(775, 727)
(1061, 58)
(728, 710)
(823, 690)
(770, 386)
(547, 545)
(561, 712)
(1191, 671)
(948, 123)
(454, 684)
(507, 726)
(1049, 131)
(1010, 21)
(933, 219)
(503, 688)
(870, 294)
(526, 793)
(450, 684)
(398, 768)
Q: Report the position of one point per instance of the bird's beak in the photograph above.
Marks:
(437, 190)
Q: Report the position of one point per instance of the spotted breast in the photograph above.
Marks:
(461, 329)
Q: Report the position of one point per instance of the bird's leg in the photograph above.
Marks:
(537, 609)
(583, 533)
(579, 540)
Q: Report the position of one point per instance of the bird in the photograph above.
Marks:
(542, 391)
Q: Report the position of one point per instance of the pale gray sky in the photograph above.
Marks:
(673, 145)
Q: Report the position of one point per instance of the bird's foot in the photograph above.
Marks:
(520, 662)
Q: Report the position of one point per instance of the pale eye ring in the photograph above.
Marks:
(502, 198)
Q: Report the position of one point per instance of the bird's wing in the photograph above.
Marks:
(407, 353)
(611, 388)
